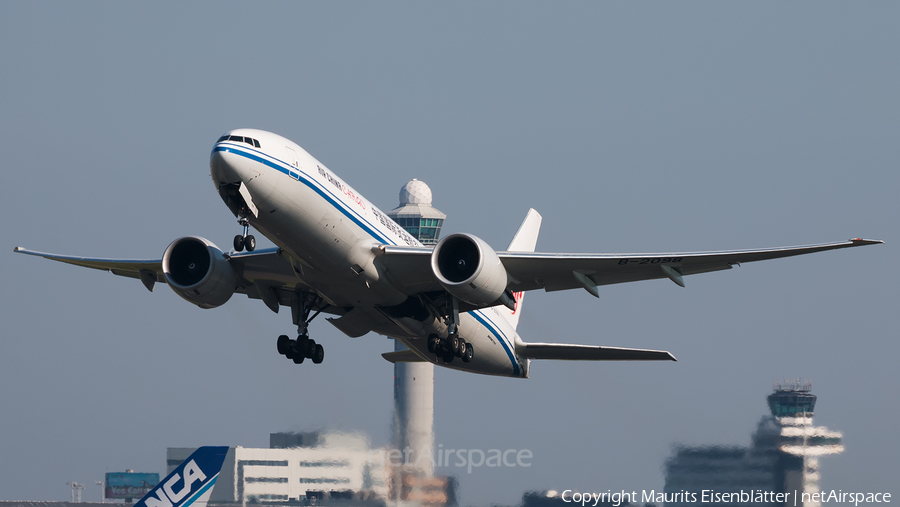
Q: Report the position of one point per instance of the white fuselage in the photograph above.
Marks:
(331, 232)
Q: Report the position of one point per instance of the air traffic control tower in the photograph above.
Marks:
(414, 382)
(783, 457)
(415, 213)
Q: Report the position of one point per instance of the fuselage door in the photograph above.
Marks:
(294, 162)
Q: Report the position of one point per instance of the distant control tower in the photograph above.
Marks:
(797, 442)
(414, 382)
(782, 458)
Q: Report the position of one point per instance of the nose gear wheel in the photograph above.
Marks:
(242, 241)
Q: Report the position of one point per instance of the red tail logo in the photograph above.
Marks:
(518, 297)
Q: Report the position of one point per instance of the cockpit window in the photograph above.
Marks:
(240, 139)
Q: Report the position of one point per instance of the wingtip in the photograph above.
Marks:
(860, 241)
(672, 357)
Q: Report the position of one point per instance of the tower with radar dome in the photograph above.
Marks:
(416, 214)
(414, 382)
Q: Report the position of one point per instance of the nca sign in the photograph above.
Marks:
(174, 489)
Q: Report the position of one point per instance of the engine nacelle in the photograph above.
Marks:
(469, 269)
(198, 271)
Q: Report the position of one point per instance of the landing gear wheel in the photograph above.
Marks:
(311, 347)
(249, 243)
(453, 343)
(284, 344)
(302, 344)
(238, 243)
(448, 358)
(318, 355)
(298, 359)
(468, 354)
(433, 343)
(461, 348)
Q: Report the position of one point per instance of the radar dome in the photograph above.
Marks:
(415, 192)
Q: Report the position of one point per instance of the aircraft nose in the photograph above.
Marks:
(225, 167)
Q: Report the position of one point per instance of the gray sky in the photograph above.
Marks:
(631, 127)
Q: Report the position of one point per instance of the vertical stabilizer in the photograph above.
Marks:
(189, 485)
(524, 241)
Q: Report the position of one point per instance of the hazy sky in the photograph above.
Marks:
(631, 127)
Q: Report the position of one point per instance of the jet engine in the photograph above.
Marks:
(469, 269)
(198, 271)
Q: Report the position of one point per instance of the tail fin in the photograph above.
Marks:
(189, 485)
(524, 241)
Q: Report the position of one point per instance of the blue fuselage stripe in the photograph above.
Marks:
(313, 185)
(495, 330)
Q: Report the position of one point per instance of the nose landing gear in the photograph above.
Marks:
(242, 241)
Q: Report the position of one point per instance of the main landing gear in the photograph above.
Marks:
(453, 345)
(242, 241)
(303, 347)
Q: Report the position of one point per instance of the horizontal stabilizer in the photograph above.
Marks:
(403, 356)
(571, 352)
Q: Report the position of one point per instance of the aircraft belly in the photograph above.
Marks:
(490, 354)
(490, 358)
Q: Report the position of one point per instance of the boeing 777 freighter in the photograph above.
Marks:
(456, 304)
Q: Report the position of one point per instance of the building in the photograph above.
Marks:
(330, 465)
(783, 457)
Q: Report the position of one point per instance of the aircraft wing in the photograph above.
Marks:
(263, 274)
(122, 267)
(411, 268)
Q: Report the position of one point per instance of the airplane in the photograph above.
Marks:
(189, 485)
(336, 253)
